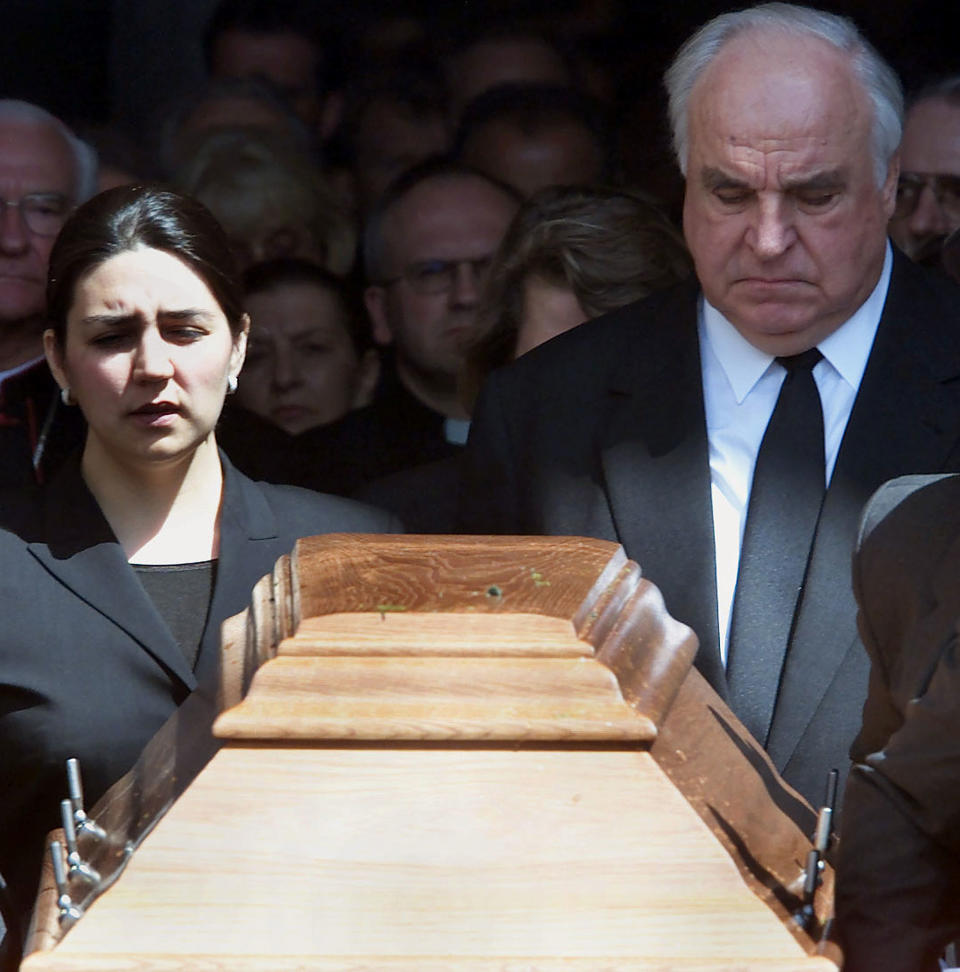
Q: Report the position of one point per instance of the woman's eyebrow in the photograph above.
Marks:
(126, 317)
(103, 320)
(187, 314)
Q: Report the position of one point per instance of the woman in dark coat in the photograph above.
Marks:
(114, 579)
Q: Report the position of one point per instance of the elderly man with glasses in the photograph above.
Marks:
(45, 170)
(427, 246)
(428, 243)
(928, 192)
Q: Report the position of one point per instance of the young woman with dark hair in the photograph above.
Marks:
(115, 578)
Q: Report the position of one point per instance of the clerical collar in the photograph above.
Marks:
(846, 349)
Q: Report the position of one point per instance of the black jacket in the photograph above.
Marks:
(87, 666)
(601, 432)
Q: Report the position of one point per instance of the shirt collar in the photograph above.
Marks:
(846, 349)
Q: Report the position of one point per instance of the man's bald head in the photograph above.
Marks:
(879, 81)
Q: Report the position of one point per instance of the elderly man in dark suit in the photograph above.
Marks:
(898, 871)
(728, 434)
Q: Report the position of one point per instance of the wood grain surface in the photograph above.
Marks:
(551, 576)
(466, 753)
(500, 617)
(439, 698)
(430, 859)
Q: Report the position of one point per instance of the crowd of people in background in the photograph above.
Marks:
(303, 158)
(298, 154)
(406, 224)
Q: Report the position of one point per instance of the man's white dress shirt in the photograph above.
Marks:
(741, 384)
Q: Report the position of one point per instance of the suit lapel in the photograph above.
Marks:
(82, 553)
(247, 526)
(656, 473)
(904, 420)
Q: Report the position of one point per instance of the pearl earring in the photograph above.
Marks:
(231, 384)
(66, 397)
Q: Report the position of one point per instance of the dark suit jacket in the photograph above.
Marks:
(601, 432)
(898, 869)
(87, 666)
(423, 497)
(395, 433)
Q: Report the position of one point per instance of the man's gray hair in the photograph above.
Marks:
(85, 165)
(879, 80)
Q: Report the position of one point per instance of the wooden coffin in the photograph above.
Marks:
(449, 753)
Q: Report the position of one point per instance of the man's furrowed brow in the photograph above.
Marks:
(713, 178)
(825, 179)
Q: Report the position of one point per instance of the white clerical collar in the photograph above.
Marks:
(846, 349)
(455, 430)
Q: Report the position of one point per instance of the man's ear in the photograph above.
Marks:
(53, 352)
(375, 299)
(888, 191)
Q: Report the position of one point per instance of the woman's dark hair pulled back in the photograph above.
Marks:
(131, 217)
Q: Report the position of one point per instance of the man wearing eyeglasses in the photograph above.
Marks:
(45, 170)
(427, 246)
(428, 243)
(928, 192)
(427, 249)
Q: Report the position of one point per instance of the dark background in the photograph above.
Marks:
(100, 60)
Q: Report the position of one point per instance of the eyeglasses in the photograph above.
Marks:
(427, 277)
(43, 212)
(946, 189)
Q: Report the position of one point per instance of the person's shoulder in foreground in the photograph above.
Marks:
(898, 869)
(302, 512)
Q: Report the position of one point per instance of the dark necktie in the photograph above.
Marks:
(785, 501)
